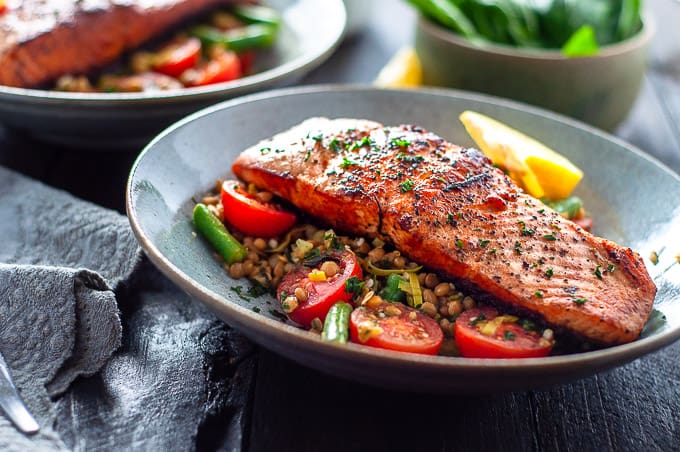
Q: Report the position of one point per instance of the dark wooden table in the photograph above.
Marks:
(635, 407)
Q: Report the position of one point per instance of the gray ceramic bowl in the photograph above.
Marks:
(310, 32)
(599, 90)
(187, 159)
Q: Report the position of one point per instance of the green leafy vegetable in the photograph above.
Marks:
(577, 27)
(391, 291)
(582, 43)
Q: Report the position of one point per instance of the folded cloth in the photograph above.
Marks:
(180, 380)
(57, 324)
(58, 315)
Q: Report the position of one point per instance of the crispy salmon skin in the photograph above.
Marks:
(448, 208)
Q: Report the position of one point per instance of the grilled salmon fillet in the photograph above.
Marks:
(41, 40)
(448, 208)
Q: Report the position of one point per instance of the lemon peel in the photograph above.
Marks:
(403, 70)
(541, 171)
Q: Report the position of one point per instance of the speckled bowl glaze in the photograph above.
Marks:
(599, 90)
(310, 32)
(186, 160)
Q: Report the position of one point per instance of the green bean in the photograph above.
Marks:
(239, 39)
(257, 14)
(336, 326)
(217, 235)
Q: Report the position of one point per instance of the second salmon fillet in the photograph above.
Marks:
(448, 208)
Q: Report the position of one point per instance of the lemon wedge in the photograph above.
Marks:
(402, 71)
(541, 171)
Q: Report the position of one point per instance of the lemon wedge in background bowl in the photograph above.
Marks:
(541, 171)
(402, 71)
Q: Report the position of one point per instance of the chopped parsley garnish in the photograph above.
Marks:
(518, 248)
(549, 273)
(256, 309)
(527, 231)
(538, 294)
(541, 210)
(334, 242)
(346, 163)
(480, 318)
(598, 272)
(492, 251)
(353, 286)
(318, 137)
(459, 243)
(451, 219)
(407, 185)
(611, 268)
(550, 237)
(484, 243)
(264, 151)
(335, 145)
(257, 289)
(239, 292)
(365, 141)
(315, 252)
(399, 142)
(308, 155)
(580, 301)
(509, 336)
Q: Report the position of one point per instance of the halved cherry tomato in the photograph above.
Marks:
(408, 330)
(250, 215)
(321, 295)
(507, 340)
(246, 58)
(177, 57)
(223, 66)
(3, 6)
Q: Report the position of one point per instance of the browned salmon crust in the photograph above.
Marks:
(40, 40)
(448, 208)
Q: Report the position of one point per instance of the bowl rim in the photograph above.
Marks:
(263, 79)
(638, 40)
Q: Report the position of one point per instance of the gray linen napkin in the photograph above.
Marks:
(181, 379)
(58, 315)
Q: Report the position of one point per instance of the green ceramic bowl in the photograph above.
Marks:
(599, 90)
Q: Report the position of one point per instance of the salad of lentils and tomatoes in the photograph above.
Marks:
(351, 288)
(220, 48)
